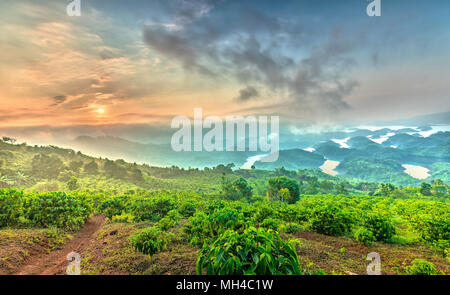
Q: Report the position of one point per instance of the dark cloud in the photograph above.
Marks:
(247, 93)
(59, 99)
(255, 48)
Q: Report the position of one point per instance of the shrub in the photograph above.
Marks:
(331, 220)
(152, 209)
(271, 223)
(169, 221)
(57, 209)
(421, 267)
(203, 227)
(290, 228)
(254, 251)
(10, 207)
(150, 241)
(364, 236)
(381, 226)
(114, 206)
(124, 218)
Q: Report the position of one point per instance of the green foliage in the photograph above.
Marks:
(290, 228)
(91, 167)
(276, 193)
(425, 189)
(72, 184)
(152, 209)
(364, 236)
(46, 167)
(150, 241)
(254, 251)
(57, 209)
(11, 207)
(421, 267)
(381, 226)
(331, 220)
(236, 190)
(271, 223)
(114, 206)
(204, 227)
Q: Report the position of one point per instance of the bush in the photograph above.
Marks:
(290, 228)
(10, 207)
(381, 226)
(271, 223)
(331, 220)
(114, 207)
(255, 251)
(152, 209)
(421, 267)
(150, 241)
(365, 236)
(205, 228)
(57, 209)
(124, 218)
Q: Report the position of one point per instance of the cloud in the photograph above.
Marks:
(59, 99)
(247, 93)
(250, 47)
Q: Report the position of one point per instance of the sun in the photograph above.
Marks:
(101, 111)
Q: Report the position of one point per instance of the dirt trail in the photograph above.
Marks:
(55, 263)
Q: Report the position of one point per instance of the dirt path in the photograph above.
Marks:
(55, 263)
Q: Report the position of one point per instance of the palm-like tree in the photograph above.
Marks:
(21, 178)
(5, 181)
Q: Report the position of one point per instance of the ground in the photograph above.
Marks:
(105, 249)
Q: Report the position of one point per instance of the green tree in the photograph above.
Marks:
(75, 166)
(235, 190)
(387, 189)
(72, 184)
(21, 178)
(425, 189)
(46, 167)
(278, 183)
(91, 168)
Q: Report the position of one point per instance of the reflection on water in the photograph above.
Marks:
(329, 166)
(251, 161)
(417, 172)
(342, 142)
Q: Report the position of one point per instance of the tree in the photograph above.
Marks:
(9, 139)
(340, 189)
(91, 168)
(75, 166)
(425, 189)
(387, 189)
(72, 184)
(5, 182)
(243, 187)
(21, 178)
(136, 174)
(48, 167)
(278, 183)
(114, 170)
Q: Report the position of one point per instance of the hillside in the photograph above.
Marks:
(126, 218)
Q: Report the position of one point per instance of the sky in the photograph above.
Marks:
(145, 62)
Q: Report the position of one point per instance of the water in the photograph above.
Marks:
(251, 161)
(417, 172)
(329, 166)
(382, 138)
(342, 142)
